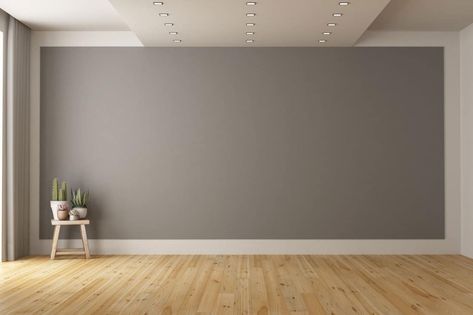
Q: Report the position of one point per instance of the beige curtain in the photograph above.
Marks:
(16, 141)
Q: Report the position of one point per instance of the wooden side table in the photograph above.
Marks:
(70, 251)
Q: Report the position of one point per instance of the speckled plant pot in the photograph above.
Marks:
(82, 212)
(56, 205)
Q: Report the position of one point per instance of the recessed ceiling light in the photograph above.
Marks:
(337, 14)
(344, 3)
(250, 41)
(250, 33)
(251, 3)
(251, 14)
(177, 40)
(327, 33)
(322, 41)
(331, 24)
(158, 3)
(163, 14)
(168, 24)
(172, 33)
(250, 24)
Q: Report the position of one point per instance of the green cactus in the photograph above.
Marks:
(55, 196)
(64, 188)
(61, 195)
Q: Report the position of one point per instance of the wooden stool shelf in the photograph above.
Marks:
(70, 251)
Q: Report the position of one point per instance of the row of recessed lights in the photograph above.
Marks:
(250, 14)
(167, 24)
(331, 24)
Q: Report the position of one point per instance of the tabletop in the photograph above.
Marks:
(68, 222)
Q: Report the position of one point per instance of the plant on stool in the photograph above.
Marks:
(79, 202)
(59, 198)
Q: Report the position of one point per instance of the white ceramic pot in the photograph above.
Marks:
(82, 212)
(56, 205)
(73, 217)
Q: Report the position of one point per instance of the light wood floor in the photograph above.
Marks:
(238, 285)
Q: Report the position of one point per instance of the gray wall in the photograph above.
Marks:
(333, 143)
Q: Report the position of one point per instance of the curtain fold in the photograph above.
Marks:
(16, 135)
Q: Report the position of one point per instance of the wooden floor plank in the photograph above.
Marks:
(238, 285)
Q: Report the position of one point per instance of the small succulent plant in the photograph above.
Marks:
(79, 199)
(74, 212)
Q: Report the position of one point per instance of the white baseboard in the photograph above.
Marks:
(253, 247)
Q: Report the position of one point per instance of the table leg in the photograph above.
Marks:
(84, 241)
(57, 229)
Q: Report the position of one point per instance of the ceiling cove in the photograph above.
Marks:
(248, 23)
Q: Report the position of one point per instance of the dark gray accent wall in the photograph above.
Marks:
(247, 143)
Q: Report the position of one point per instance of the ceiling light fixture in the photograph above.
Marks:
(344, 3)
(158, 3)
(250, 24)
(250, 33)
(172, 33)
(251, 14)
(322, 41)
(337, 14)
(250, 41)
(168, 24)
(251, 3)
(163, 14)
(327, 33)
(331, 24)
(177, 40)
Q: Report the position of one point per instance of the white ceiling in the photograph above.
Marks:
(65, 15)
(223, 22)
(425, 15)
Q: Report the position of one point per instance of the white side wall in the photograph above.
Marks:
(449, 245)
(466, 75)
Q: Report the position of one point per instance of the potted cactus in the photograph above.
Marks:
(59, 198)
(79, 202)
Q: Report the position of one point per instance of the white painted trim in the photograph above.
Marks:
(449, 245)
